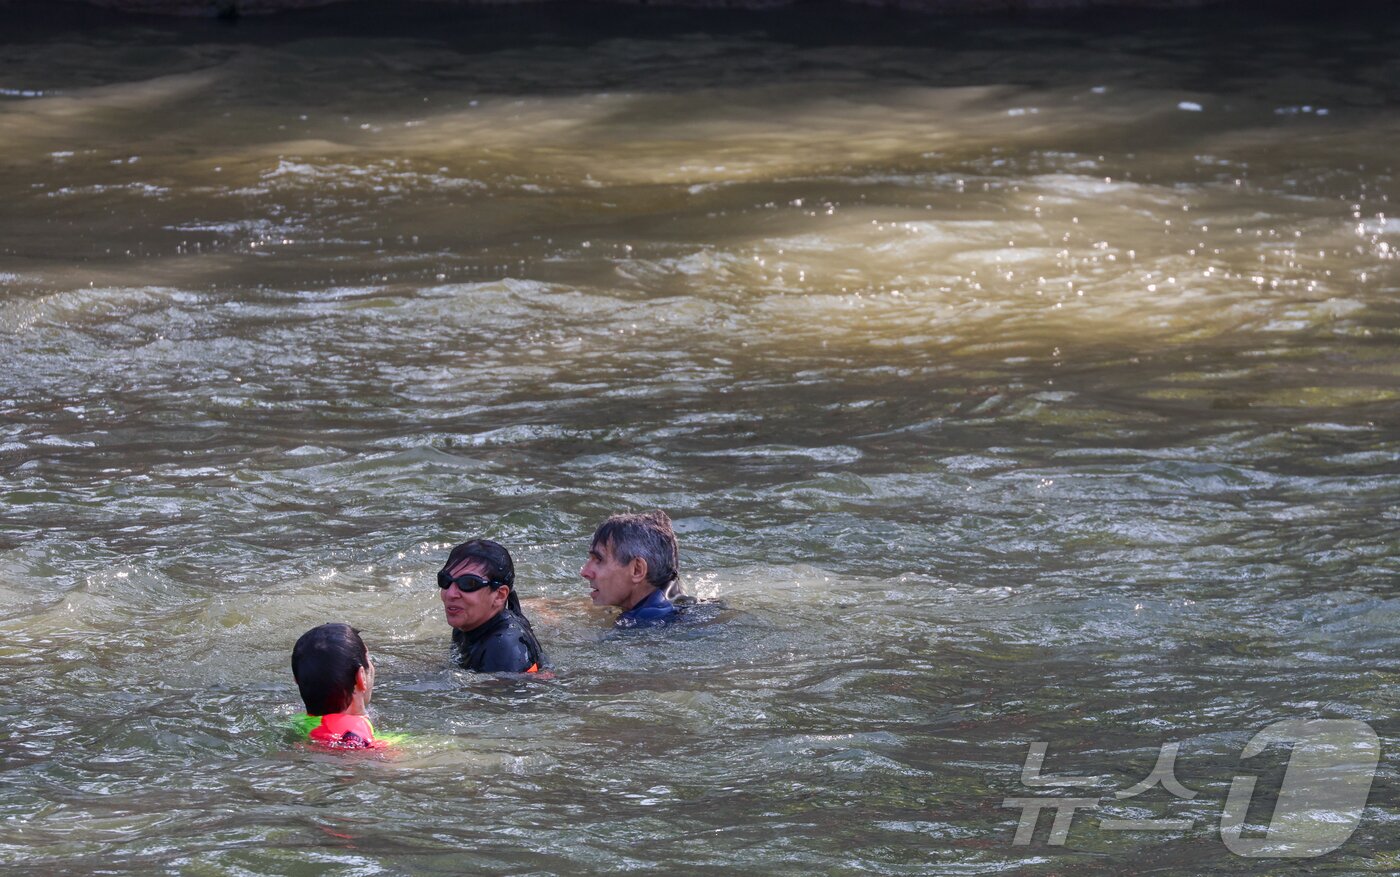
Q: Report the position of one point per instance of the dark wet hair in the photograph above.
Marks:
(324, 662)
(494, 557)
(647, 535)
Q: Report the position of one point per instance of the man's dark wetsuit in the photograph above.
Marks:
(653, 611)
(503, 644)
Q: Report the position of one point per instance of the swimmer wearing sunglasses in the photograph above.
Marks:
(490, 631)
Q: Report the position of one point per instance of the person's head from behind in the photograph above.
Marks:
(476, 583)
(631, 556)
(332, 670)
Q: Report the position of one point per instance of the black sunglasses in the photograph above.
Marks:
(466, 582)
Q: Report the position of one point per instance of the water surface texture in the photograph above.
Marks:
(1008, 380)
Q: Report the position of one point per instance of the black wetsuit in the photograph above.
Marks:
(504, 644)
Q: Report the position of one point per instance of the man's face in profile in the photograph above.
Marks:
(611, 580)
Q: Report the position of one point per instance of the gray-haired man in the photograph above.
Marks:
(633, 564)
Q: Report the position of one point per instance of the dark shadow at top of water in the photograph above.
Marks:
(491, 27)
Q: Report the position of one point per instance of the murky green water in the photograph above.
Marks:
(1009, 382)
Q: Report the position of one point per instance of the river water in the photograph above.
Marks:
(1009, 381)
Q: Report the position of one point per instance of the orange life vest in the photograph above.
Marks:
(344, 731)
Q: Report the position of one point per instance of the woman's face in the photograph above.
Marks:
(469, 610)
